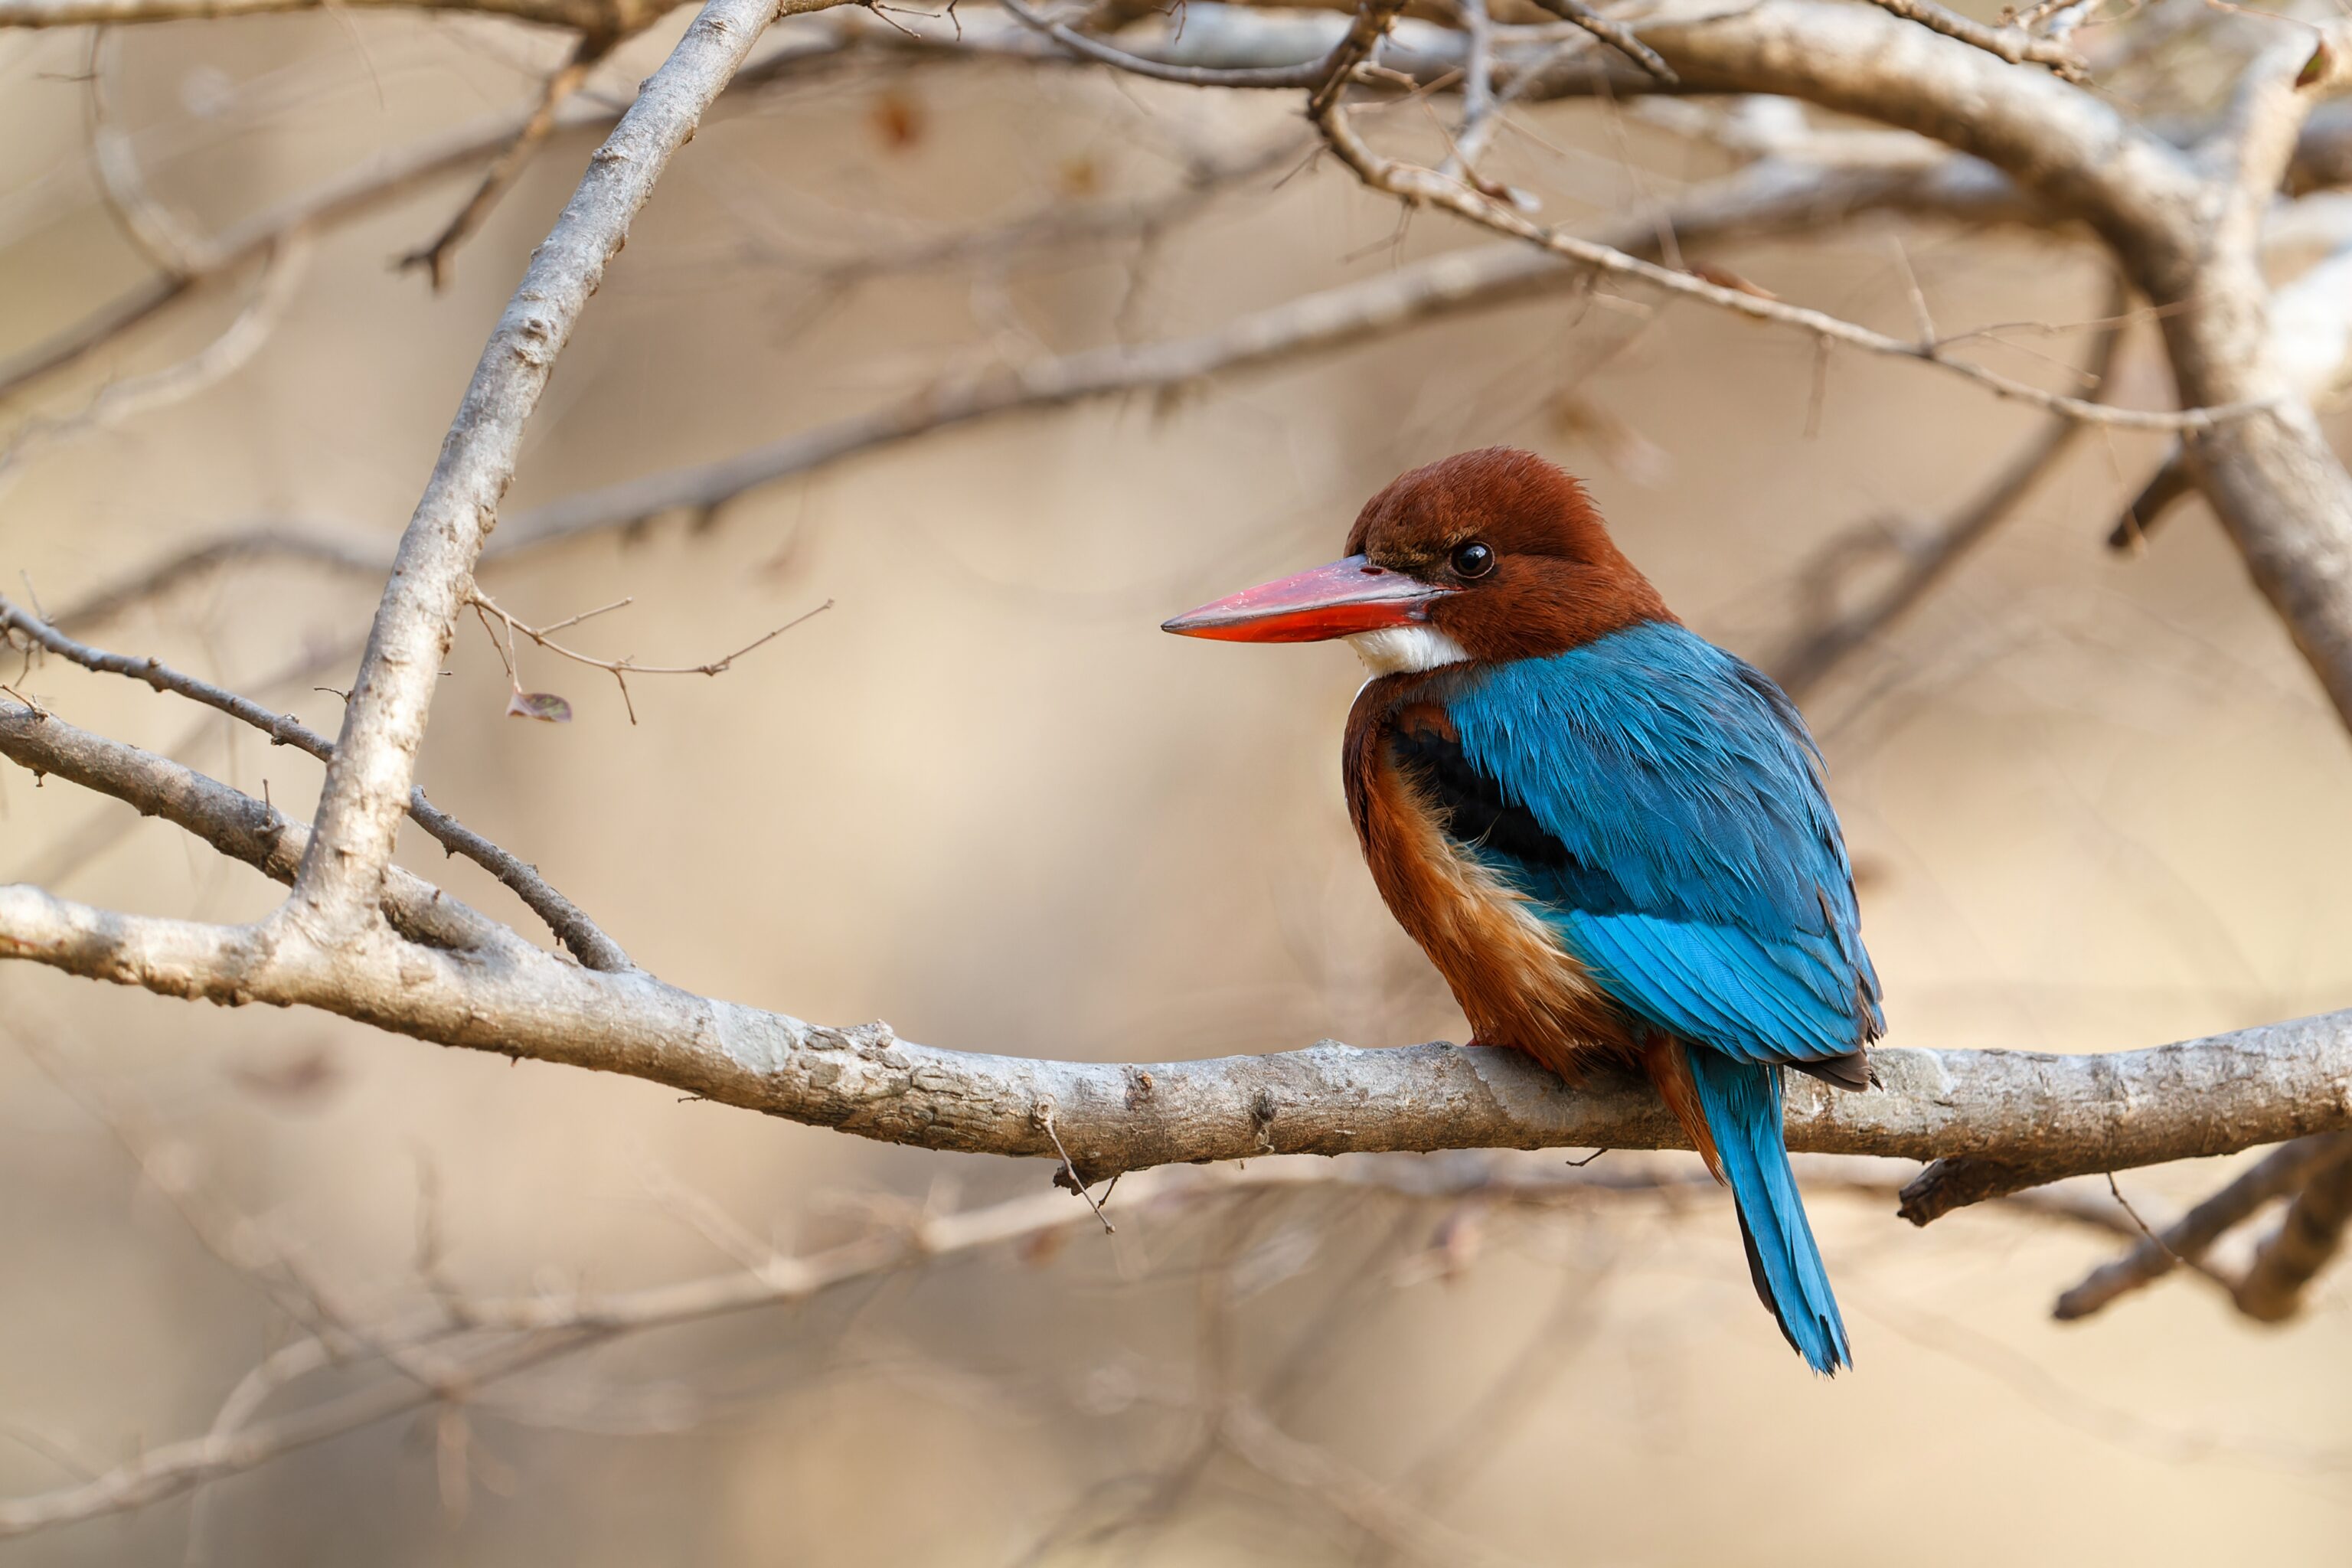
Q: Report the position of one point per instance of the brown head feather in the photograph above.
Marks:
(1558, 580)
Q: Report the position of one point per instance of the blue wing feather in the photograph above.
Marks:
(1699, 873)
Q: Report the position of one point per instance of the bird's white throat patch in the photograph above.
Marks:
(1406, 650)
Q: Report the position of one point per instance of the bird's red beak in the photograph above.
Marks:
(1335, 601)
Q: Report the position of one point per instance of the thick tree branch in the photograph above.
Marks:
(369, 780)
(234, 822)
(2034, 1119)
(2007, 1120)
(2273, 480)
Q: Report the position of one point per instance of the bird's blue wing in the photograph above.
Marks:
(1662, 804)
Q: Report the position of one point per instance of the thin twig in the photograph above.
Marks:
(620, 669)
(1414, 184)
(1834, 635)
(436, 256)
(1093, 48)
(569, 923)
(1068, 1178)
(2115, 1191)
(2015, 44)
(1616, 35)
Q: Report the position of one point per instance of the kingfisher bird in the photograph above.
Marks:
(1613, 838)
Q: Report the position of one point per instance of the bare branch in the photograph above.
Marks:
(569, 923)
(2323, 156)
(2273, 480)
(2282, 1171)
(235, 824)
(1481, 109)
(1770, 196)
(2013, 44)
(2023, 1119)
(566, 79)
(2308, 337)
(1616, 35)
(1335, 319)
(2306, 1241)
(1095, 50)
(620, 669)
(368, 782)
(363, 189)
(2255, 144)
(1767, 197)
(1814, 653)
(281, 274)
(268, 543)
(1421, 186)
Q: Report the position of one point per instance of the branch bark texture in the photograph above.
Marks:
(2032, 1118)
(383, 724)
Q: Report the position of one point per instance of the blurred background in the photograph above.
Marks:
(2094, 800)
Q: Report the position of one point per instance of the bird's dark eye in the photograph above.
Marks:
(1472, 559)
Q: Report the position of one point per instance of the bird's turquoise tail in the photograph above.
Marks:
(1742, 1105)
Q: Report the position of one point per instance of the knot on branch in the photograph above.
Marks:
(1263, 1112)
(1949, 1185)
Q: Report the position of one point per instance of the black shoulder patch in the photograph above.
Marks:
(1475, 810)
(1478, 816)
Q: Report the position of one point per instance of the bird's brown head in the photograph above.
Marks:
(1489, 556)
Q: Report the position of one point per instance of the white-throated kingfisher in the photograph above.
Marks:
(1611, 837)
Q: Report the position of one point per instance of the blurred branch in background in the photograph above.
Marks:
(434, 258)
(1770, 198)
(1925, 553)
(465, 1351)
